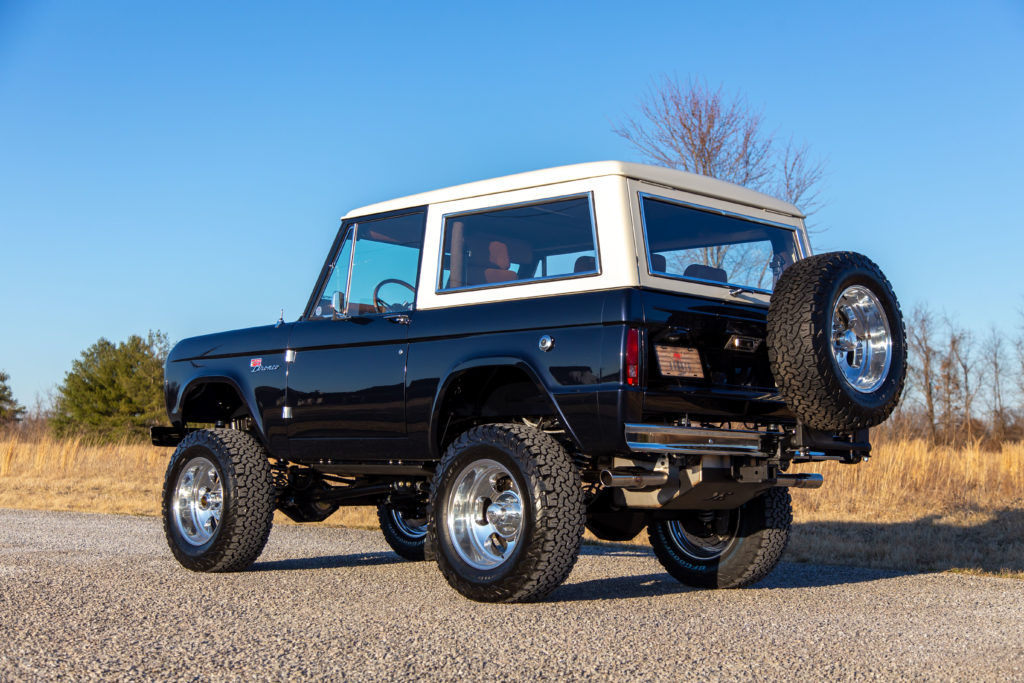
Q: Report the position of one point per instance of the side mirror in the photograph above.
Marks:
(338, 304)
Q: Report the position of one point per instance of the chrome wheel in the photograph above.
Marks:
(198, 501)
(861, 339)
(697, 538)
(484, 514)
(413, 528)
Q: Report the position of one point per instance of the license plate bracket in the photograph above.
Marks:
(679, 361)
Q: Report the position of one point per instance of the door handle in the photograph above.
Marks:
(399, 319)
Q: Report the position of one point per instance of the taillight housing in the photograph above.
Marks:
(632, 360)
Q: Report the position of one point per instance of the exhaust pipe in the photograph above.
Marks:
(800, 481)
(633, 480)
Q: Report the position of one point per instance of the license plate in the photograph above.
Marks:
(679, 361)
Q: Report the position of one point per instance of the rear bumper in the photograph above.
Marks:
(649, 438)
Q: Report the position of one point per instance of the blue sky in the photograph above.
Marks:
(182, 166)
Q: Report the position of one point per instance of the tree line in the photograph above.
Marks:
(112, 392)
(962, 386)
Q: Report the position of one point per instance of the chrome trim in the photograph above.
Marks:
(484, 514)
(351, 266)
(797, 239)
(861, 339)
(643, 438)
(198, 502)
(289, 355)
(738, 342)
(707, 546)
(547, 278)
(286, 413)
(804, 480)
(632, 480)
(412, 531)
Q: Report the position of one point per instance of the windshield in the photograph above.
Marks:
(707, 246)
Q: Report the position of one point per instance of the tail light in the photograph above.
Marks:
(633, 357)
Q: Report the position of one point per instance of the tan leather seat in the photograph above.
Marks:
(498, 253)
(489, 263)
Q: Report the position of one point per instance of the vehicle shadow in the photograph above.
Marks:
(823, 554)
(328, 562)
(786, 575)
(989, 541)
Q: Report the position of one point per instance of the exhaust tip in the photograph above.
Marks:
(806, 480)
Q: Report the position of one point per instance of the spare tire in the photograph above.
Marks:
(836, 342)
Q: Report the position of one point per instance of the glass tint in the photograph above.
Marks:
(694, 244)
(519, 244)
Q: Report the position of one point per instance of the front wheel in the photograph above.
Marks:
(506, 514)
(725, 548)
(218, 500)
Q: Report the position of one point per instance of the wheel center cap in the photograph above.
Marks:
(505, 514)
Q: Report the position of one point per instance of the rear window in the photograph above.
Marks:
(517, 244)
(713, 247)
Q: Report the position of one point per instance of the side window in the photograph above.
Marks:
(384, 256)
(553, 239)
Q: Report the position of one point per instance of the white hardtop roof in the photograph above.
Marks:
(658, 175)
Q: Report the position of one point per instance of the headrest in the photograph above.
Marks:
(703, 272)
(498, 253)
(658, 263)
(585, 264)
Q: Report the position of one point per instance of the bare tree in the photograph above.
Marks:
(923, 362)
(961, 357)
(994, 354)
(691, 127)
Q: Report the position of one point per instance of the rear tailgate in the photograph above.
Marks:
(707, 359)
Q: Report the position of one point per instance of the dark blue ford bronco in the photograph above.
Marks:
(497, 366)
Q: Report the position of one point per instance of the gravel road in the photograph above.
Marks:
(99, 597)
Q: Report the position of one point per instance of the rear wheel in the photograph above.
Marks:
(218, 501)
(726, 548)
(506, 514)
(404, 529)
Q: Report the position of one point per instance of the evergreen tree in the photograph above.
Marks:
(114, 391)
(10, 410)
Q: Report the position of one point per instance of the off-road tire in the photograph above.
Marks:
(406, 545)
(248, 501)
(800, 339)
(759, 542)
(553, 514)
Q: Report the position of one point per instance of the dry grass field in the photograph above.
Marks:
(912, 506)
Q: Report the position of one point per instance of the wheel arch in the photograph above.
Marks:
(217, 398)
(486, 377)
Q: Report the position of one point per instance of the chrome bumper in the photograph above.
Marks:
(642, 438)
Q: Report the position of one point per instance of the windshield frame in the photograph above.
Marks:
(796, 236)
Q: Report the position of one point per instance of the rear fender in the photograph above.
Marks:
(458, 370)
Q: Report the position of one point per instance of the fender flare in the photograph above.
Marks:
(248, 401)
(488, 362)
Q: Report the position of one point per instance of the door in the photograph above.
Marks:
(346, 382)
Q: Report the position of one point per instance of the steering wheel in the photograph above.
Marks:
(381, 305)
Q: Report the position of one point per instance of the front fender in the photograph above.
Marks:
(246, 396)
